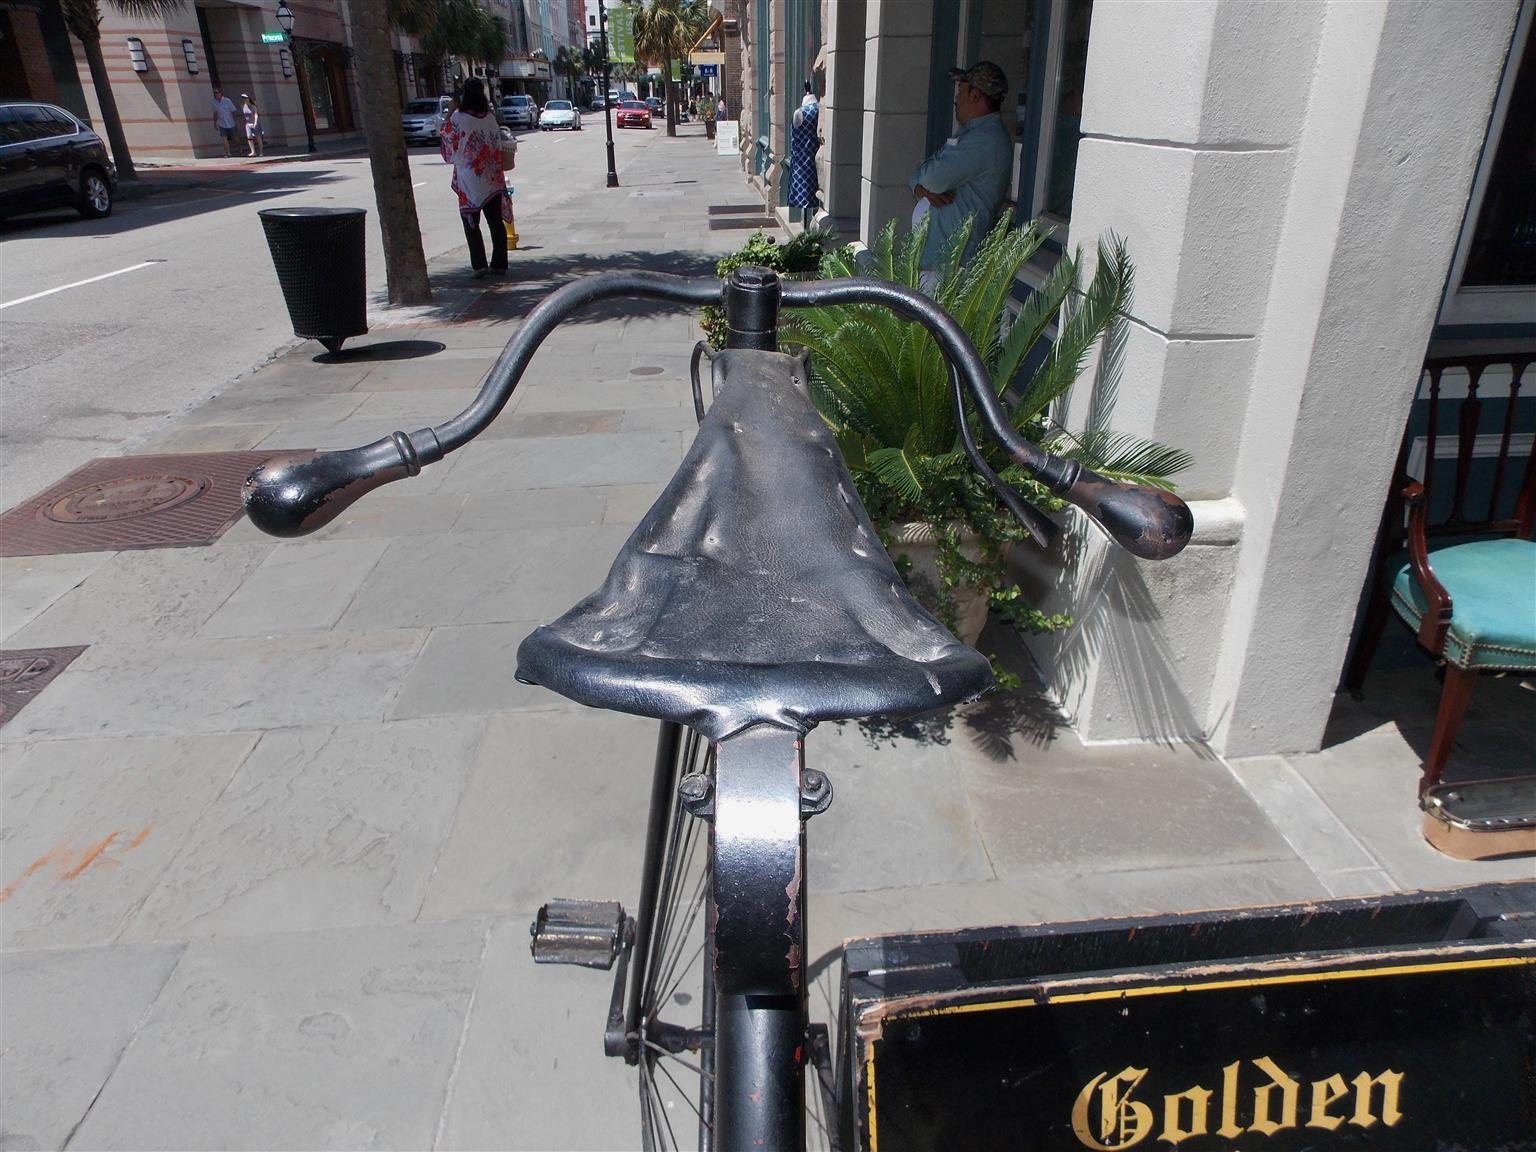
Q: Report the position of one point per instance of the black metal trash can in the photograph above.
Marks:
(320, 255)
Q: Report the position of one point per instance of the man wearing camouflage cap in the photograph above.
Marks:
(968, 177)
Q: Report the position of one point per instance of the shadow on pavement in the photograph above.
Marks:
(530, 281)
(179, 198)
(382, 351)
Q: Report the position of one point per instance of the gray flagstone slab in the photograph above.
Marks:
(68, 1017)
(335, 1039)
(320, 828)
(89, 827)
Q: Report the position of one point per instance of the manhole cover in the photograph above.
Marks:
(647, 370)
(26, 672)
(126, 502)
(123, 499)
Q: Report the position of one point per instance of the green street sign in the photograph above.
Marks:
(621, 34)
(273, 38)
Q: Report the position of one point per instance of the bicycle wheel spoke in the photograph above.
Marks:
(682, 1093)
(665, 1118)
(673, 963)
(676, 1059)
(663, 898)
(666, 937)
(683, 970)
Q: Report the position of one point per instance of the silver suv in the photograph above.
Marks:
(519, 112)
(421, 120)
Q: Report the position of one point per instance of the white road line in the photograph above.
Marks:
(418, 184)
(79, 283)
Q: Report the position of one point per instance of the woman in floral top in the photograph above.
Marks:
(471, 142)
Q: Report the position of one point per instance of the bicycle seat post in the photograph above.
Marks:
(752, 309)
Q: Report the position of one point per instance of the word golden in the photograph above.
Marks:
(1107, 1115)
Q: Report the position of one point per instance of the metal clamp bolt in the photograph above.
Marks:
(697, 793)
(815, 792)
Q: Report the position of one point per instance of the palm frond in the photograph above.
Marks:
(1086, 322)
(895, 469)
(1122, 456)
(1029, 327)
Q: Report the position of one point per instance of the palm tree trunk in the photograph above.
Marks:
(666, 88)
(111, 122)
(405, 266)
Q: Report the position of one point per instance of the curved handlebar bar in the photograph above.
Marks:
(294, 495)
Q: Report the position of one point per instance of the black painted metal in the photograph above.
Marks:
(756, 588)
(752, 309)
(294, 495)
(320, 255)
(669, 740)
(760, 1073)
(1291, 1025)
(302, 494)
(602, 24)
(758, 854)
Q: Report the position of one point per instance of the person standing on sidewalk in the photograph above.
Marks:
(966, 179)
(253, 129)
(471, 142)
(224, 119)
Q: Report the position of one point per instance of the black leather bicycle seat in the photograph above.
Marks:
(755, 589)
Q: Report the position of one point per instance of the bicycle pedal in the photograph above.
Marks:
(590, 933)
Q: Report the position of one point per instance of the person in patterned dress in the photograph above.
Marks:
(471, 142)
(803, 142)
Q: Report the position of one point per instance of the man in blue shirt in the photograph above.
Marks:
(968, 176)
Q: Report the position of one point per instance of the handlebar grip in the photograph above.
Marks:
(1147, 522)
(297, 493)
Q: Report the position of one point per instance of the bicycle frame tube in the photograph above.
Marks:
(758, 854)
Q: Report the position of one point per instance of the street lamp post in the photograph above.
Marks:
(285, 21)
(602, 23)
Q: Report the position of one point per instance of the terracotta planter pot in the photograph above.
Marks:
(916, 541)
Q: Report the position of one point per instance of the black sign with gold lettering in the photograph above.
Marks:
(1410, 1025)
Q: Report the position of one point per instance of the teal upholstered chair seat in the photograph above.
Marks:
(1492, 585)
(1472, 605)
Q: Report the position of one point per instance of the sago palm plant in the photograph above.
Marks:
(881, 383)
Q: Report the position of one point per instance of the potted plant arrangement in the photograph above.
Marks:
(880, 382)
(798, 258)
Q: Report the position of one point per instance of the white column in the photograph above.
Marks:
(843, 111)
(1290, 179)
(897, 44)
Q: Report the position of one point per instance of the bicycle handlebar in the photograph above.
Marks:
(296, 494)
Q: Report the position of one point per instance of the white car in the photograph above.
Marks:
(559, 114)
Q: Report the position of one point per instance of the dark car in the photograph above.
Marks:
(48, 159)
(632, 114)
(422, 120)
(656, 106)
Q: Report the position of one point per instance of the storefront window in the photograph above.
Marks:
(1053, 62)
(1067, 122)
(1503, 248)
(317, 80)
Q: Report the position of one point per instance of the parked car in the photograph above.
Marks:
(48, 159)
(559, 114)
(598, 104)
(519, 112)
(422, 120)
(633, 114)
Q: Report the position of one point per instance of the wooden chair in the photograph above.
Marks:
(1472, 605)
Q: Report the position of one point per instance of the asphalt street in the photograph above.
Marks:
(109, 328)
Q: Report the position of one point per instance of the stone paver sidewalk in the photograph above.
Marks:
(272, 844)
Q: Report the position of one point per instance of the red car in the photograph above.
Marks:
(632, 114)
